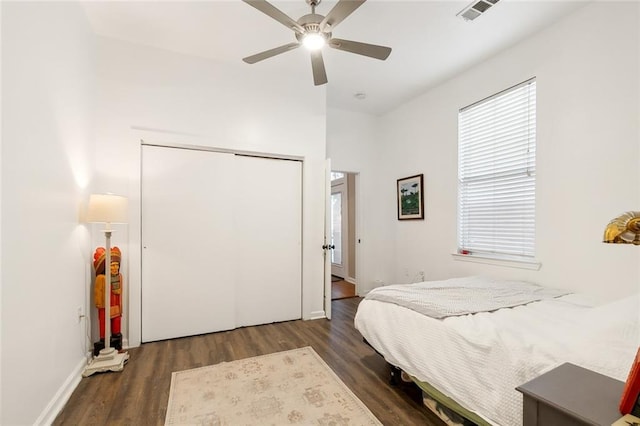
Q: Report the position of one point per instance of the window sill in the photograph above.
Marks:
(511, 263)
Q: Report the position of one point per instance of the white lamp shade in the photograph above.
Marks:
(107, 208)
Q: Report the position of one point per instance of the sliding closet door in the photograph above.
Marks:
(268, 229)
(188, 254)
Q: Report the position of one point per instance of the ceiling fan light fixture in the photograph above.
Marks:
(314, 41)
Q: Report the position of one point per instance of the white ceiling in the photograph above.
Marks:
(430, 44)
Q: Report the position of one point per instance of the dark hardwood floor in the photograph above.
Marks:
(139, 394)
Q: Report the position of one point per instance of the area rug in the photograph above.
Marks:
(283, 388)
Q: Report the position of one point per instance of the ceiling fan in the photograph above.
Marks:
(314, 31)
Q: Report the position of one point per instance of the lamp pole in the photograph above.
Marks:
(107, 292)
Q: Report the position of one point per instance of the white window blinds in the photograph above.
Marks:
(496, 174)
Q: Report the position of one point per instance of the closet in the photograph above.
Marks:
(221, 241)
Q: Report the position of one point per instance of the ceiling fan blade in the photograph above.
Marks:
(317, 65)
(272, 11)
(365, 49)
(339, 12)
(269, 53)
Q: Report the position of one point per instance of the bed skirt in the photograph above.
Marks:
(447, 409)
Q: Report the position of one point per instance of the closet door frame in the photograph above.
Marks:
(224, 151)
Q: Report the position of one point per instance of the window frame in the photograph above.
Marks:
(489, 256)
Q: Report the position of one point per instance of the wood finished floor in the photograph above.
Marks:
(341, 290)
(139, 394)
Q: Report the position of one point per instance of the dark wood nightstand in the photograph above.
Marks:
(570, 395)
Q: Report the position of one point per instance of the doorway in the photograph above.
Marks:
(343, 235)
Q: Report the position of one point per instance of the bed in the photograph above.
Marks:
(473, 362)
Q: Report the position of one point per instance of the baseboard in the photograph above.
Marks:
(363, 293)
(350, 280)
(61, 397)
(317, 315)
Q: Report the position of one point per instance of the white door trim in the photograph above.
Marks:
(358, 225)
(343, 268)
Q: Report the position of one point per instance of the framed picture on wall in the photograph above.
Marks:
(411, 198)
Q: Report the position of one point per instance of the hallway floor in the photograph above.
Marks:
(340, 289)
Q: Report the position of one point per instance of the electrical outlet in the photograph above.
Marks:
(421, 275)
(406, 272)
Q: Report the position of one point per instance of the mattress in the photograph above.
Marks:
(479, 359)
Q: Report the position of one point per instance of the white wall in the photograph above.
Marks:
(197, 101)
(353, 146)
(47, 110)
(1, 116)
(587, 69)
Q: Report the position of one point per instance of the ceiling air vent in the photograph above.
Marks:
(476, 9)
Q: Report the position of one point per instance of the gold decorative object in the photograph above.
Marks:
(624, 229)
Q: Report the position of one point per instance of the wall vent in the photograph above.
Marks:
(476, 9)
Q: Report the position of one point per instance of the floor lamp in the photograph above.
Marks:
(107, 209)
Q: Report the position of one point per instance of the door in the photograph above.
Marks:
(327, 238)
(188, 245)
(268, 231)
(221, 237)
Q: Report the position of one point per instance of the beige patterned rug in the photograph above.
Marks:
(284, 388)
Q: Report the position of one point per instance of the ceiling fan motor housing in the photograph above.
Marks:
(311, 25)
(311, 20)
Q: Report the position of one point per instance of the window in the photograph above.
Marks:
(497, 175)
(336, 176)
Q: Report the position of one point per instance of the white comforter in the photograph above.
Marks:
(478, 360)
(461, 296)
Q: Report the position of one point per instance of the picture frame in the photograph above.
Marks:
(410, 192)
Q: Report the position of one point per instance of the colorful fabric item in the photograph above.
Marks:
(100, 255)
